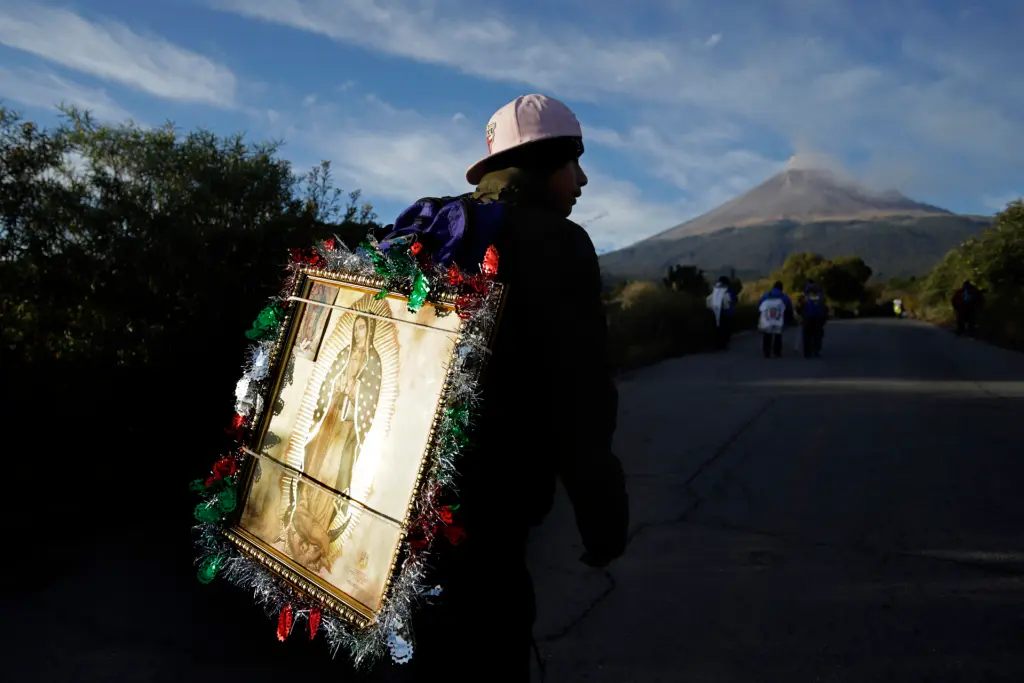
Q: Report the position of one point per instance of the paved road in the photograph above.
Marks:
(857, 517)
(853, 518)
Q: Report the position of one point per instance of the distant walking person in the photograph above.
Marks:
(967, 303)
(722, 302)
(814, 315)
(775, 309)
(897, 307)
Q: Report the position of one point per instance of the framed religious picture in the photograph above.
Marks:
(350, 418)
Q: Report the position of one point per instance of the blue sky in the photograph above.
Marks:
(685, 103)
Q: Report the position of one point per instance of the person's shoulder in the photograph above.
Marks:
(537, 224)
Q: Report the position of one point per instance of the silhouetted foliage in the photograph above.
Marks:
(689, 279)
(993, 261)
(842, 279)
(132, 261)
(118, 241)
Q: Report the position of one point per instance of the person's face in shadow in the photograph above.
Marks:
(565, 186)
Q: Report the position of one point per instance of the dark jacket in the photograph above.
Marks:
(968, 299)
(549, 402)
(812, 305)
(548, 413)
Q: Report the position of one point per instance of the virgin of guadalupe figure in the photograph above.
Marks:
(314, 321)
(344, 413)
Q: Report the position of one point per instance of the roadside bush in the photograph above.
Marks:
(994, 261)
(649, 322)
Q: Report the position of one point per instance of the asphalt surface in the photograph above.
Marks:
(857, 517)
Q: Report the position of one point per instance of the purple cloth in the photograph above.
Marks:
(451, 229)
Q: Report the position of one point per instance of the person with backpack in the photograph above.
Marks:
(548, 401)
(776, 310)
(813, 315)
(967, 301)
(722, 303)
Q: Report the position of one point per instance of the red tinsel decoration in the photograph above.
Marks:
(225, 467)
(284, 623)
(477, 284)
(445, 513)
(306, 257)
(210, 481)
(416, 248)
(490, 265)
(454, 533)
(314, 622)
(328, 245)
(237, 429)
(466, 305)
(454, 275)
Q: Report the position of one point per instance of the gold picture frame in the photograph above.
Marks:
(357, 388)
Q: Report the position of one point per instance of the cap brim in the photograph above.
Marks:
(476, 172)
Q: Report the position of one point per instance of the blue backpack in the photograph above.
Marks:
(451, 229)
(815, 306)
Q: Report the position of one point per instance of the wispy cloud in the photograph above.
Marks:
(815, 74)
(397, 155)
(704, 163)
(111, 51)
(999, 202)
(46, 90)
(713, 39)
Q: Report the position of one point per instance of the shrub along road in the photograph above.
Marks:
(852, 518)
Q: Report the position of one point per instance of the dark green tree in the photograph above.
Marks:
(118, 244)
(689, 279)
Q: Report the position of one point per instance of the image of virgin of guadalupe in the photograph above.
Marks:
(344, 413)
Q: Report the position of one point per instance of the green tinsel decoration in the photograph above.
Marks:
(210, 567)
(380, 262)
(420, 289)
(227, 499)
(207, 513)
(266, 323)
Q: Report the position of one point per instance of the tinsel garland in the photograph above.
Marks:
(403, 269)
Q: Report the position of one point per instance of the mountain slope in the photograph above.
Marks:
(798, 210)
(892, 247)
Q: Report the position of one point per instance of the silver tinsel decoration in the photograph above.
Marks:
(390, 633)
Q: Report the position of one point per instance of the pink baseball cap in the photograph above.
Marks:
(528, 118)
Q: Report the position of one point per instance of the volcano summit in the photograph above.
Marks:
(802, 209)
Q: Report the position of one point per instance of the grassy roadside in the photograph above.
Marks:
(649, 322)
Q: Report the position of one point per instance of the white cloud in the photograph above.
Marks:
(997, 203)
(713, 39)
(46, 90)
(939, 114)
(397, 156)
(616, 213)
(704, 163)
(113, 52)
(388, 153)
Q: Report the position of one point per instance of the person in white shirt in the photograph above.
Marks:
(722, 303)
